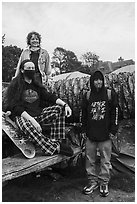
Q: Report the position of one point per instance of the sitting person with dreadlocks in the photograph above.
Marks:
(26, 100)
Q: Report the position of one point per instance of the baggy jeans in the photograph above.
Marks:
(104, 149)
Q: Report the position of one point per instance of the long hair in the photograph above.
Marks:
(92, 87)
(14, 90)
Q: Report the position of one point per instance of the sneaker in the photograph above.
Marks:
(66, 150)
(104, 190)
(90, 188)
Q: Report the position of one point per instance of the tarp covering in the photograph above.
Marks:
(70, 75)
(124, 85)
(71, 87)
(129, 68)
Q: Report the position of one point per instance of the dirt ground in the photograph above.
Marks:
(66, 184)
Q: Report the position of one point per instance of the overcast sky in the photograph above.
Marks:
(105, 28)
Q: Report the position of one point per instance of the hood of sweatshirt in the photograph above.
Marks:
(96, 75)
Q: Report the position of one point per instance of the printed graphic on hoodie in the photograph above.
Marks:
(98, 110)
(30, 96)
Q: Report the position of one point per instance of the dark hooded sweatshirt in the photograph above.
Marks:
(99, 115)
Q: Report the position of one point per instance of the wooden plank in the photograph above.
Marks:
(18, 165)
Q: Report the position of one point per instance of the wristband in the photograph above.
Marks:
(65, 105)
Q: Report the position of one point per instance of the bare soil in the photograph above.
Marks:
(66, 184)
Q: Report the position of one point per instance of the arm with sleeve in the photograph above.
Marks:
(114, 113)
(84, 112)
(48, 65)
(14, 105)
(24, 55)
(47, 96)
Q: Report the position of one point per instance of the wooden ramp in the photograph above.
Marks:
(18, 165)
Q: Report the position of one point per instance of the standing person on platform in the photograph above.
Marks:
(99, 118)
(38, 56)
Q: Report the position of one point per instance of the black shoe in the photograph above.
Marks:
(104, 190)
(66, 150)
(90, 188)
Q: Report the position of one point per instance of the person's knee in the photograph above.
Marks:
(59, 109)
(107, 145)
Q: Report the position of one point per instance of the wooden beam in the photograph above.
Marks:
(18, 165)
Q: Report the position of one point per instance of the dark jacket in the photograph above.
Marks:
(32, 99)
(99, 114)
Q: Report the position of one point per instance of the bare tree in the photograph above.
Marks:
(65, 60)
(3, 39)
(91, 60)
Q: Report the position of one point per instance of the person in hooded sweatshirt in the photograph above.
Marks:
(99, 119)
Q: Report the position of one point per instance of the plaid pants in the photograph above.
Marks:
(54, 115)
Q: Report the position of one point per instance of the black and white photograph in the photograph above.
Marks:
(68, 101)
